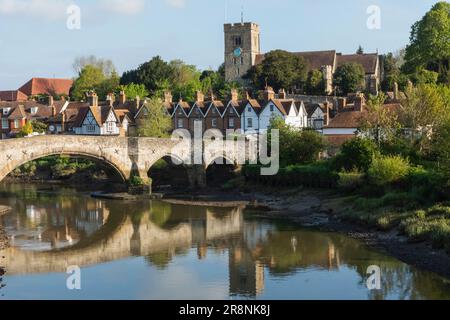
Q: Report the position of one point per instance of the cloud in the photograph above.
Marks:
(53, 9)
(176, 3)
(129, 7)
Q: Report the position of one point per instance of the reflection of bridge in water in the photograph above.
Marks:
(124, 236)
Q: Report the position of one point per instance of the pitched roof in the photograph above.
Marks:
(122, 114)
(13, 95)
(368, 61)
(314, 59)
(37, 86)
(17, 113)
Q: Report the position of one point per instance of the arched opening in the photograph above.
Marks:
(220, 172)
(166, 176)
(82, 170)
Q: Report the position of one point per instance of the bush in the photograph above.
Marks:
(316, 176)
(386, 170)
(137, 181)
(357, 154)
(351, 180)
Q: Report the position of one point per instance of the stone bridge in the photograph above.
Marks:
(123, 239)
(128, 156)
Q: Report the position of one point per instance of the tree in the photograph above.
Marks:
(360, 50)
(26, 130)
(89, 78)
(356, 154)
(280, 69)
(429, 42)
(151, 74)
(424, 109)
(315, 84)
(133, 90)
(106, 65)
(380, 121)
(349, 78)
(297, 147)
(157, 124)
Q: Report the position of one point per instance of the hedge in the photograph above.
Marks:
(315, 176)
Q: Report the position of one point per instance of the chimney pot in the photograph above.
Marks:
(234, 95)
(342, 104)
(200, 97)
(269, 94)
(168, 97)
(122, 97)
(282, 94)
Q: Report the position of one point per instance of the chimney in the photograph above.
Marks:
(327, 113)
(211, 95)
(282, 94)
(110, 98)
(234, 95)
(246, 95)
(137, 104)
(168, 97)
(122, 97)
(360, 101)
(63, 122)
(93, 99)
(200, 97)
(269, 94)
(50, 100)
(396, 91)
(342, 104)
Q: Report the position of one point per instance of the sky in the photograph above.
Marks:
(35, 40)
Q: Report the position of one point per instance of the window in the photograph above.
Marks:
(234, 60)
(180, 123)
(242, 60)
(237, 41)
(90, 128)
(231, 123)
(16, 124)
(271, 108)
(110, 127)
(5, 124)
(250, 123)
(214, 123)
(249, 109)
(231, 111)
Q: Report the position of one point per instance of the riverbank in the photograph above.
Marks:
(324, 210)
(3, 237)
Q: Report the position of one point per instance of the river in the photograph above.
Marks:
(156, 250)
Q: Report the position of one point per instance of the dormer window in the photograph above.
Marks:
(34, 110)
(6, 111)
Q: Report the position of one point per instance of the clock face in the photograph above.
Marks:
(237, 52)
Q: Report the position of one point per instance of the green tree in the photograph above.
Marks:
(349, 78)
(280, 69)
(297, 146)
(106, 65)
(357, 153)
(315, 84)
(90, 77)
(360, 50)
(157, 124)
(26, 130)
(429, 46)
(133, 90)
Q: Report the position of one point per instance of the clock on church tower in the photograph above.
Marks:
(241, 48)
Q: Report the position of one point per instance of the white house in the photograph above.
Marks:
(250, 117)
(97, 121)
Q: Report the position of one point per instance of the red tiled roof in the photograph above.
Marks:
(314, 59)
(13, 95)
(37, 86)
(368, 61)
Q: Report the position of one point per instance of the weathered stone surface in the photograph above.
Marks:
(128, 156)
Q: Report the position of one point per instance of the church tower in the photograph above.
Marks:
(242, 45)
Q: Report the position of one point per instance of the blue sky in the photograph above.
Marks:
(34, 39)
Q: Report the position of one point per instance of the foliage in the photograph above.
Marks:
(26, 130)
(429, 42)
(280, 69)
(315, 175)
(360, 50)
(297, 146)
(351, 180)
(357, 153)
(39, 126)
(385, 170)
(136, 181)
(423, 76)
(157, 123)
(133, 90)
(93, 78)
(349, 78)
(315, 84)
(105, 65)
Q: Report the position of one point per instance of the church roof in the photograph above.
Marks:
(368, 61)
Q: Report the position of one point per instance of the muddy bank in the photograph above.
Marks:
(321, 210)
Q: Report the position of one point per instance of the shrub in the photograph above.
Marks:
(137, 181)
(386, 170)
(350, 180)
(357, 154)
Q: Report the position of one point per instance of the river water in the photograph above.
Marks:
(155, 250)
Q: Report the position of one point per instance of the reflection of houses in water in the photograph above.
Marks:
(52, 226)
(246, 274)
